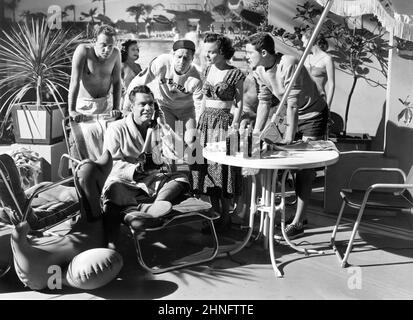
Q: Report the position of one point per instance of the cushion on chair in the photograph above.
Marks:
(54, 205)
(192, 205)
(379, 200)
(49, 207)
(138, 221)
(93, 268)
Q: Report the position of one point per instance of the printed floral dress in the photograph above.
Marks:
(213, 178)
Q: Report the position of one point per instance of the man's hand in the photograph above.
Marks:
(116, 114)
(138, 170)
(244, 123)
(76, 116)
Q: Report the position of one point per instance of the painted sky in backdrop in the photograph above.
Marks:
(115, 9)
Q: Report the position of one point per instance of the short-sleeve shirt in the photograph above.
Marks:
(171, 90)
(304, 93)
(224, 90)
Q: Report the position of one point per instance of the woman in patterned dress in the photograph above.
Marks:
(223, 87)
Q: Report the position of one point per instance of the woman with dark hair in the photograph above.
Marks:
(130, 69)
(129, 54)
(320, 66)
(222, 88)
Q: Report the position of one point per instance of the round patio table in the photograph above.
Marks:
(269, 164)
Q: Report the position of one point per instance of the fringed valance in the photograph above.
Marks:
(401, 24)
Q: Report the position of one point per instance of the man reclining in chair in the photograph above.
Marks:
(136, 184)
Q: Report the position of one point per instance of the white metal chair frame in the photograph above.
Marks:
(396, 189)
(171, 222)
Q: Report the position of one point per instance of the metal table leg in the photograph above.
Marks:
(272, 212)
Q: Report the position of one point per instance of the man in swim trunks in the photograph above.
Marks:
(95, 68)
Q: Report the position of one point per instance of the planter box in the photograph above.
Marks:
(41, 125)
(361, 142)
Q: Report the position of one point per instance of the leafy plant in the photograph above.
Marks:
(103, 4)
(34, 58)
(262, 6)
(72, 8)
(143, 11)
(354, 53)
(407, 112)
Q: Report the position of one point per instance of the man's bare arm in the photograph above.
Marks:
(263, 110)
(116, 81)
(79, 58)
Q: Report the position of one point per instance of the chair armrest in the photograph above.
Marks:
(68, 157)
(401, 186)
(379, 186)
(42, 189)
(385, 170)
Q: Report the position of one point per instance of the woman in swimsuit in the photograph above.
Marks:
(130, 69)
(320, 66)
(223, 87)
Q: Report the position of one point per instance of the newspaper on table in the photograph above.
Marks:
(311, 145)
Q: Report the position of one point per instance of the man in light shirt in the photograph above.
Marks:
(178, 86)
(306, 110)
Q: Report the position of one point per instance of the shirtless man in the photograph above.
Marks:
(94, 69)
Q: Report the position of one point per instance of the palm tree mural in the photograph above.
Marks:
(72, 8)
(144, 11)
(64, 15)
(27, 15)
(12, 5)
(89, 15)
(136, 11)
(104, 5)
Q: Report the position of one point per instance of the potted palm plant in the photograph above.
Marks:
(35, 64)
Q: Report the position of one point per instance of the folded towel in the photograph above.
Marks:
(87, 138)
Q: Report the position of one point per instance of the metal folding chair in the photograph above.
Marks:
(189, 211)
(382, 196)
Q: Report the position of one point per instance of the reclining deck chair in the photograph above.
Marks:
(189, 210)
(384, 196)
(49, 204)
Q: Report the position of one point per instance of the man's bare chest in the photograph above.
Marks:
(94, 69)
